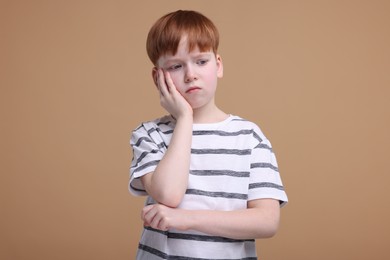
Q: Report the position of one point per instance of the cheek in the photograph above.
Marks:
(211, 78)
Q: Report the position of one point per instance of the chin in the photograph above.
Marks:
(200, 104)
(196, 105)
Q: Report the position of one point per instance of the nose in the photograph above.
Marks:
(190, 75)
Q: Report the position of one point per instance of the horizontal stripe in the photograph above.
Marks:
(143, 155)
(217, 194)
(136, 189)
(138, 128)
(206, 238)
(239, 119)
(153, 251)
(263, 146)
(163, 255)
(164, 123)
(221, 151)
(222, 133)
(264, 165)
(140, 140)
(265, 185)
(150, 131)
(147, 139)
(196, 237)
(219, 173)
(146, 165)
(255, 135)
(165, 233)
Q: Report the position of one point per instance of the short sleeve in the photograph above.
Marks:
(147, 153)
(265, 181)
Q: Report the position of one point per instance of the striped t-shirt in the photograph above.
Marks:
(232, 162)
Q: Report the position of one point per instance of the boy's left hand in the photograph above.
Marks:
(161, 217)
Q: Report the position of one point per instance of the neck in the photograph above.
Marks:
(209, 114)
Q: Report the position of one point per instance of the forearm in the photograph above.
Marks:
(168, 183)
(240, 224)
(259, 220)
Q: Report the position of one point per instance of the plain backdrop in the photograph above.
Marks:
(75, 81)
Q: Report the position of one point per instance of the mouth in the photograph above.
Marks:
(192, 89)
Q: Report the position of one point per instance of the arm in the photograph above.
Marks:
(168, 183)
(259, 220)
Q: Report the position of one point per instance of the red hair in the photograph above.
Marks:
(165, 35)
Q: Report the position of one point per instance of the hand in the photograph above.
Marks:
(163, 218)
(170, 98)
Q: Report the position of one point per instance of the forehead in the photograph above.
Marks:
(184, 52)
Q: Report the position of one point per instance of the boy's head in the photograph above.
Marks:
(165, 35)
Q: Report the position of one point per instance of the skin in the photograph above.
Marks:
(187, 82)
(194, 75)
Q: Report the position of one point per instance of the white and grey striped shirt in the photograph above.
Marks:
(232, 162)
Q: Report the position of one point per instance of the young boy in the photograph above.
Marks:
(211, 178)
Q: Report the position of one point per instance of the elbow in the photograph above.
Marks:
(270, 232)
(271, 222)
(171, 202)
(170, 199)
(267, 232)
(269, 229)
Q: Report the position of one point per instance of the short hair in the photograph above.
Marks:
(165, 35)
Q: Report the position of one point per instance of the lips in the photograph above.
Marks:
(192, 89)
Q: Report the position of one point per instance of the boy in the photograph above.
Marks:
(211, 178)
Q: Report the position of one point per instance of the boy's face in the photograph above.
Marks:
(195, 74)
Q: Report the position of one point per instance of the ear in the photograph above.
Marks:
(219, 66)
(154, 75)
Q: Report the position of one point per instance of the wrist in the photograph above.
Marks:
(185, 117)
(188, 220)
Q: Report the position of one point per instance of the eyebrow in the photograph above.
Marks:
(202, 54)
(196, 56)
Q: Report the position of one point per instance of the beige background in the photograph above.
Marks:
(75, 80)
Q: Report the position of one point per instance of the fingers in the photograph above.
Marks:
(165, 83)
(170, 85)
(145, 210)
(147, 214)
(161, 84)
(154, 216)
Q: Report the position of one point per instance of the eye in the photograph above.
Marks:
(202, 62)
(174, 67)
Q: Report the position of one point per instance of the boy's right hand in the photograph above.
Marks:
(170, 98)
